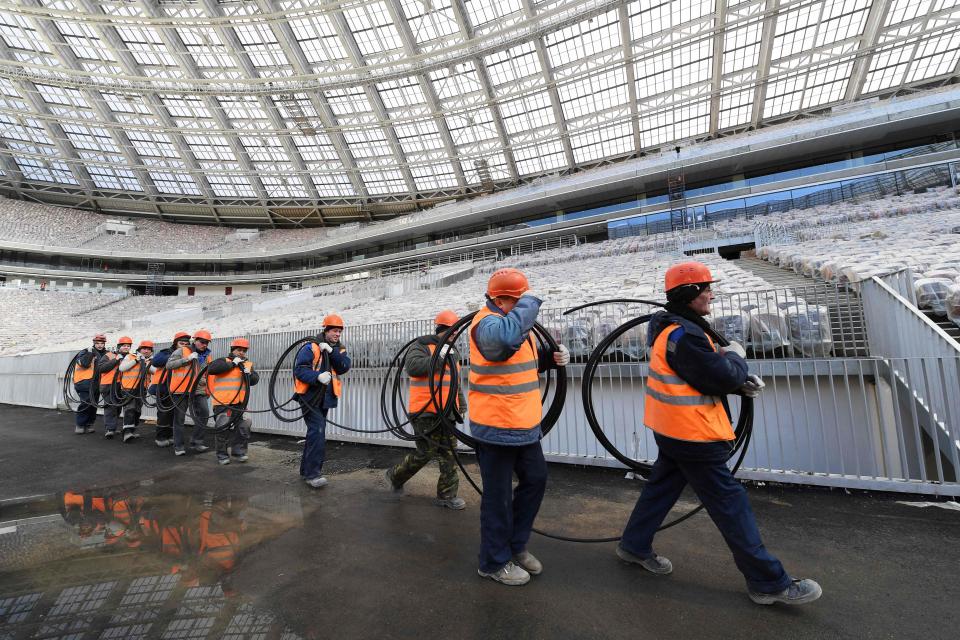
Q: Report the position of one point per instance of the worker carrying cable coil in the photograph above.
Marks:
(229, 380)
(160, 388)
(85, 380)
(505, 416)
(688, 380)
(423, 410)
(107, 368)
(317, 387)
(134, 372)
(188, 391)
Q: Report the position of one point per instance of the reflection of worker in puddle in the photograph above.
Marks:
(199, 537)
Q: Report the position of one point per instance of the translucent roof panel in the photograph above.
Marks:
(354, 103)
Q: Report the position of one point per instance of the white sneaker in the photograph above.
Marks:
(223, 461)
(527, 560)
(179, 452)
(509, 574)
(316, 483)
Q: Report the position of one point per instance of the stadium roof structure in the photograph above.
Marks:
(325, 111)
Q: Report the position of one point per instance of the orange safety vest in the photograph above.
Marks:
(128, 378)
(227, 388)
(180, 378)
(83, 373)
(506, 394)
(675, 409)
(302, 387)
(106, 378)
(420, 399)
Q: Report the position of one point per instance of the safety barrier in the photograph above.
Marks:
(886, 423)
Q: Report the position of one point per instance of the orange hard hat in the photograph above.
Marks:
(446, 318)
(145, 344)
(332, 320)
(125, 340)
(240, 342)
(203, 335)
(180, 334)
(99, 337)
(687, 273)
(507, 282)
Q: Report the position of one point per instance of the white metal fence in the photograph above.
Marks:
(870, 422)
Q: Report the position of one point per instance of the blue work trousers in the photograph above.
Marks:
(111, 410)
(507, 514)
(86, 412)
(704, 466)
(315, 446)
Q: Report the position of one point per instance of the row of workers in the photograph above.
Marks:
(688, 379)
(122, 377)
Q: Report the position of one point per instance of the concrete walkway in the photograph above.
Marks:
(260, 555)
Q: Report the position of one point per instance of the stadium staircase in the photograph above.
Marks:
(846, 312)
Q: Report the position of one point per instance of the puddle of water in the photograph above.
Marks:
(135, 560)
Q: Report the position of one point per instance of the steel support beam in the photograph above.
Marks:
(719, 35)
(411, 48)
(466, 30)
(868, 41)
(626, 40)
(763, 67)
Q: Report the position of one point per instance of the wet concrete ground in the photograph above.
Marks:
(104, 540)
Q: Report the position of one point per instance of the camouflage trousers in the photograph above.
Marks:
(432, 444)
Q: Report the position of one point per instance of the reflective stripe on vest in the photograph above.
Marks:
(128, 378)
(504, 395)
(301, 387)
(420, 398)
(227, 388)
(675, 409)
(106, 378)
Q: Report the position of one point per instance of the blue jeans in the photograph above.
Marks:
(86, 412)
(315, 446)
(111, 412)
(507, 514)
(200, 414)
(703, 465)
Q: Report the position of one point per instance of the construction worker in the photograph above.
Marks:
(317, 388)
(84, 372)
(505, 414)
(160, 388)
(134, 373)
(184, 366)
(433, 441)
(225, 381)
(685, 407)
(107, 368)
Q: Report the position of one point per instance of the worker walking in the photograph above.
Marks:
(184, 366)
(423, 410)
(505, 415)
(84, 374)
(685, 407)
(228, 380)
(317, 388)
(134, 373)
(107, 368)
(160, 388)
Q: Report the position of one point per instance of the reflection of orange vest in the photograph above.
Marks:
(83, 373)
(420, 399)
(182, 377)
(128, 378)
(227, 388)
(106, 378)
(675, 409)
(506, 394)
(220, 548)
(302, 387)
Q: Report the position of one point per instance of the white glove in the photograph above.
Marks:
(140, 357)
(562, 356)
(752, 387)
(237, 360)
(325, 347)
(193, 355)
(734, 347)
(324, 378)
(247, 367)
(444, 350)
